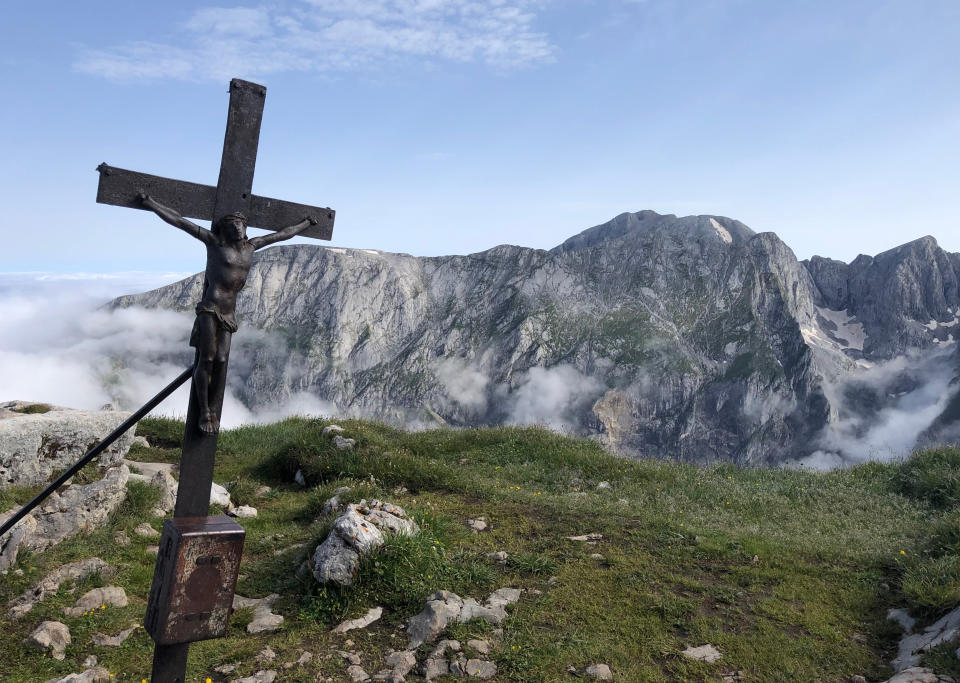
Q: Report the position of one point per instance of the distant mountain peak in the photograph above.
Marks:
(703, 227)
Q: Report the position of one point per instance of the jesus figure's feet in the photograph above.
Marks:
(209, 424)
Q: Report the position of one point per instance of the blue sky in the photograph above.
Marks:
(450, 126)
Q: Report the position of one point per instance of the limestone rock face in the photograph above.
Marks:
(65, 513)
(34, 446)
(692, 338)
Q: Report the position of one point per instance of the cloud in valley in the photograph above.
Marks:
(912, 390)
(57, 346)
(553, 397)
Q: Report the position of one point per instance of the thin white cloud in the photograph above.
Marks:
(327, 36)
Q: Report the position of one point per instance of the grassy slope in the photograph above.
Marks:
(834, 552)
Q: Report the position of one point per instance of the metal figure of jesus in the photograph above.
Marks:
(229, 255)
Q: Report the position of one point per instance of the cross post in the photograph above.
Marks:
(174, 201)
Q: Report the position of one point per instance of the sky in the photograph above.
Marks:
(451, 126)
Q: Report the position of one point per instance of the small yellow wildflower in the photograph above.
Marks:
(903, 552)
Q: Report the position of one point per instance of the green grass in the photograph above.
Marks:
(788, 573)
(33, 409)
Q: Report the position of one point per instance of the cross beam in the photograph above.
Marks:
(120, 187)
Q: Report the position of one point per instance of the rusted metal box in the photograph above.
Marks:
(196, 574)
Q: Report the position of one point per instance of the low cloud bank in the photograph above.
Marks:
(883, 410)
(57, 346)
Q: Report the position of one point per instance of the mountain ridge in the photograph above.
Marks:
(693, 338)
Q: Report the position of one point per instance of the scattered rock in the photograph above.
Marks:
(441, 649)
(477, 525)
(103, 640)
(596, 556)
(441, 609)
(299, 478)
(704, 653)
(50, 584)
(301, 661)
(734, 676)
(121, 539)
(918, 674)
(913, 645)
(50, 635)
(857, 679)
(401, 663)
(481, 668)
(444, 608)
(164, 481)
(243, 511)
(267, 676)
(98, 598)
(152, 550)
(219, 495)
(360, 622)
(603, 485)
(266, 655)
(146, 531)
(499, 556)
(481, 646)
(356, 672)
(599, 671)
(141, 441)
(332, 430)
(357, 532)
(586, 537)
(342, 444)
(226, 668)
(90, 661)
(264, 620)
(93, 675)
(434, 668)
(261, 491)
(351, 657)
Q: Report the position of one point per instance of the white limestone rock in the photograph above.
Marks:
(96, 674)
(51, 635)
(360, 622)
(704, 653)
(264, 620)
(599, 671)
(103, 640)
(145, 530)
(913, 645)
(110, 596)
(356, 532)
(63, 514)
(50, 584)
(32, 447)
(343, 444)
(219, 495)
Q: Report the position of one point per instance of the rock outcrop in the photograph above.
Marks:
(356, 532)
(70, 510)
(34, 446)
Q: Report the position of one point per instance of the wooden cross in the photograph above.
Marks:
(233, 193)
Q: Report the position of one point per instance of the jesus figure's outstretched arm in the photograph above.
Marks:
(285, 234)
(175, 219)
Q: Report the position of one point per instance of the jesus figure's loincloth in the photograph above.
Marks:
(226, 322)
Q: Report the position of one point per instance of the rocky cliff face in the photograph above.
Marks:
(691, 338)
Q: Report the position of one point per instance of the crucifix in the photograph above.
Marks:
(197, 566)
